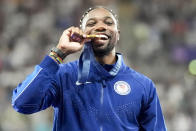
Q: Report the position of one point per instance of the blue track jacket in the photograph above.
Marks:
(126, 101)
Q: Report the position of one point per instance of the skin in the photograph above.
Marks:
(97, 21)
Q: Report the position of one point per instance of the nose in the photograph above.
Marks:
(100, 29)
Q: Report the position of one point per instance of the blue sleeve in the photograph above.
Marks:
(39, 90)
(151, 118)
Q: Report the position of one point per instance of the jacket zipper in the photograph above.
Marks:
(101, 98)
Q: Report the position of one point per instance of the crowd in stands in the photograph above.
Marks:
(157, 38)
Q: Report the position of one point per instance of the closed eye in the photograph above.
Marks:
(91, 24)
(109, 23)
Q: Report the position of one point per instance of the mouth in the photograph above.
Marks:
(99, 39)
(102, 36)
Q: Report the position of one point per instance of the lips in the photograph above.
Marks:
(102, 36)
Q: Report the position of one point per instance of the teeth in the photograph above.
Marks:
(104, 37)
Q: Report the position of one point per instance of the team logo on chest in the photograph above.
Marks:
(122, 88)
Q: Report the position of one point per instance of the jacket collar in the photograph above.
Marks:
(90, 70)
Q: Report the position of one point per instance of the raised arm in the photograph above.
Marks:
(41, 89)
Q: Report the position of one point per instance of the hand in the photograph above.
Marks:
(68, 46)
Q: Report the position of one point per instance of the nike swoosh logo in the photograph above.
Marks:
(79, 83)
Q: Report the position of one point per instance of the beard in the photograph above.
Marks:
(105, 48)
(103, 51)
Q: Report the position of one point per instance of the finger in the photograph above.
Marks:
(70, 29)
(77, 35)
(68, 32)
(75, 31)
(77, 46)
(81, 32)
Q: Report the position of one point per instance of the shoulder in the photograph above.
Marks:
(146, 85)
(144, 81)
(141, 78)
(133, 74)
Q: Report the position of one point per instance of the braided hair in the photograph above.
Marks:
(96, 7)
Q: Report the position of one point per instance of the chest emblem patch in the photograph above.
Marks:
(122, 88)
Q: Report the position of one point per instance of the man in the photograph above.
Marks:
(96, 93)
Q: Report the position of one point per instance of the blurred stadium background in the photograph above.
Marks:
(158, 39)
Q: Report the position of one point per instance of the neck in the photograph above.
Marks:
(107, 59)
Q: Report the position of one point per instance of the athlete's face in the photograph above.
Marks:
(101, 21)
